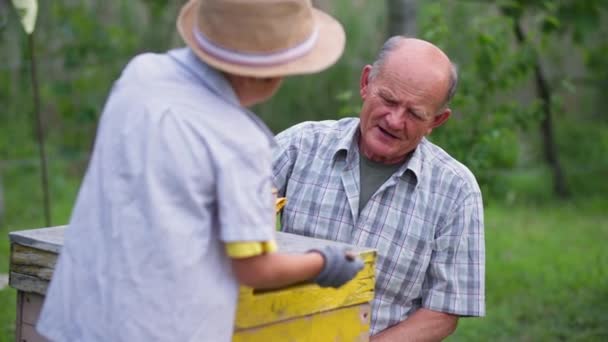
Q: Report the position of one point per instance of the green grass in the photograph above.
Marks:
(547, 275)
(8, 299)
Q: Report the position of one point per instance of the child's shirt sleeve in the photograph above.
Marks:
(246, 203)
(248, 249)
(239, 250)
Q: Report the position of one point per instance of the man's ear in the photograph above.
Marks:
(364, 81)
(439, 119)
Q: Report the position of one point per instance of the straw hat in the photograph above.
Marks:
(261, 38)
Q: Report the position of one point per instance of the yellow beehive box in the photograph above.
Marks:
(303, 312)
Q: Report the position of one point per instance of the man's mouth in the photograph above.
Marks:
(387, 133)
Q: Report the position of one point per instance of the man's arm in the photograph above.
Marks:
(422, 325)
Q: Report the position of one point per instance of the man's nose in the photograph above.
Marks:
(396, 118)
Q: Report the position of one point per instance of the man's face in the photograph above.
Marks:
(400, 107)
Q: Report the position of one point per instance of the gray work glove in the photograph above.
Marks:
(339, 268)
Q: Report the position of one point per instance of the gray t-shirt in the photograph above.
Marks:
(371, 176)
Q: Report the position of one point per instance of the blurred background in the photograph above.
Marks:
(529, 120)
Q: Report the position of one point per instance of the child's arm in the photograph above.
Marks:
(329, 266)
(277, 269)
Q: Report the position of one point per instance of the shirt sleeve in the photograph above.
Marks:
(238, 250)
(250, 249)
(245, 198)
(455, 280)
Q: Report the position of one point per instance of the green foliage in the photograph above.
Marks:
(584, 145)
(83, 46)
(594, 56)
(495, 106)
(487, 116)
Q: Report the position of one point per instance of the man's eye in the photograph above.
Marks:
(389, 102)
(415, 115)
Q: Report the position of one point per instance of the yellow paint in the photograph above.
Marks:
(262, 307)
(249, 249)
(349, 324)
(279, 204)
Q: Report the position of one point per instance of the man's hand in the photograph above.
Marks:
(424, 325)
(340, 266)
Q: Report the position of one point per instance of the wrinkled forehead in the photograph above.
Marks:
(420, 63)
(422, 85)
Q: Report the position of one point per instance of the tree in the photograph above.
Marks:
(554, 20)
(545, 94)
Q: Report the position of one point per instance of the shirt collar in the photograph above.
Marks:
(217, 83)
(347, 144)
(414, 164)
(213, 79)
(347, 140)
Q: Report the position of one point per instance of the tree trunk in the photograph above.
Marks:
(401, 17)
(546, 127)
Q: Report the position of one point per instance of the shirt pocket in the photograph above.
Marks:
(403, 259)
(411, 263)
(295, 221)
(320, 211)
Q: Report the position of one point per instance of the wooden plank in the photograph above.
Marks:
(18, 321)
(41, 273)
(51, 240)
(29, 334)
(28, 283)
(32, 262)
(32, 305)
(29, 256)
(31, 268)
(291, 243)
(344, 324)
(46, 239)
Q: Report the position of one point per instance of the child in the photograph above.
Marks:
(176, 210)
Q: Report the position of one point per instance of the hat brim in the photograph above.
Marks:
(326, 51)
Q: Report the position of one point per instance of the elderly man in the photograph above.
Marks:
(377, 181)
(176, 208)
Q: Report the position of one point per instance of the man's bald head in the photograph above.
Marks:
(421, 56)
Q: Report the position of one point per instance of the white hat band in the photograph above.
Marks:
(257, 59)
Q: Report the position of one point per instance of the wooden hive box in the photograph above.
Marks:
(303, 312)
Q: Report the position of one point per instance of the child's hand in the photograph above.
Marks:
(340, 266)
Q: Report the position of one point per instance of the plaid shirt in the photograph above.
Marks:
(426, 221)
